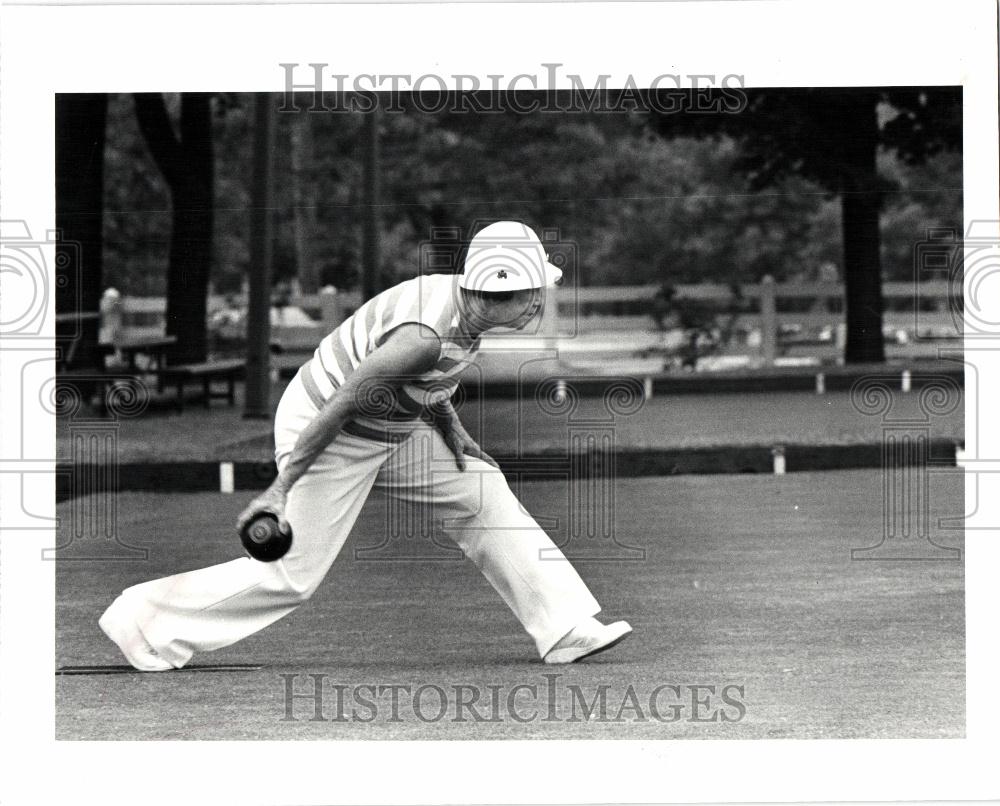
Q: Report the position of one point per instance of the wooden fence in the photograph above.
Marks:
(770, 311)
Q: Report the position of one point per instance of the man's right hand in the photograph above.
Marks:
(272, 500)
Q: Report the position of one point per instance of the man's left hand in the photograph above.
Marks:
(461, 445)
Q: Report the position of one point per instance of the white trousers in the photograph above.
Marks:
(213, 607)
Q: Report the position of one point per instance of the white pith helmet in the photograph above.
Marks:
(507, 256)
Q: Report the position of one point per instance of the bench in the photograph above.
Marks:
(207, 372)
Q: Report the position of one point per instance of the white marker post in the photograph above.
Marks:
(820, 383)
(227, 483)
(778, 454)
(906, 381)
(560, 391)
(647, 387)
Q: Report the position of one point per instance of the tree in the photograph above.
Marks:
(832, 136)
(186, 160)
(81, 122)
(638, 207)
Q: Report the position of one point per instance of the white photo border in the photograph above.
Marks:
(47, 49)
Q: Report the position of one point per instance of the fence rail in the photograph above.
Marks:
(769, 309)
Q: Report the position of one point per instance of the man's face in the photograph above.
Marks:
(518, 311)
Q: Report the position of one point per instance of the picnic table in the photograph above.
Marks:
(153, 347)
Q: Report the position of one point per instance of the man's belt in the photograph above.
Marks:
(373, 434)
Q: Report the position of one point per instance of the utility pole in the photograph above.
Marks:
(258, 372)
(301, 153)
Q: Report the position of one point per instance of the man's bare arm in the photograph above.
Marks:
(410, 350)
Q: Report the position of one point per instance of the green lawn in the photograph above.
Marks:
(746, 581)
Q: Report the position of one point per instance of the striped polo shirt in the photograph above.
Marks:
(428, 300)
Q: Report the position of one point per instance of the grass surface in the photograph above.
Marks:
(746, 580)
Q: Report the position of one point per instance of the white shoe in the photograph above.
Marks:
(132, 643)
(586, 639)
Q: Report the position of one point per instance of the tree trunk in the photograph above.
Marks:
(191, 235)
(190, 266)
(436, 220)
(188, 167)
(81, 120)
(371, 260)
(860, 206)
(258, 381)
